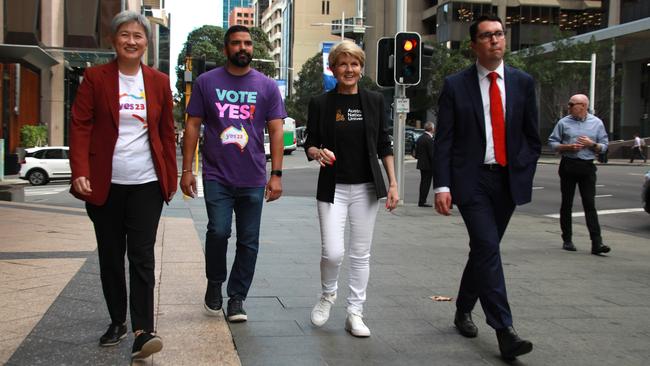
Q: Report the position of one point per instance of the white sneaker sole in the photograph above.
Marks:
(211, 312)
(239, 318)
(357, 333)
(148, 349)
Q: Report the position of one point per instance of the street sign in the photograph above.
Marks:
(402, 105)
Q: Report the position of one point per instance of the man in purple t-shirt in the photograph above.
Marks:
(235, 103)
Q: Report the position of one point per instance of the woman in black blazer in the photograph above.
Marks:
(346, 133)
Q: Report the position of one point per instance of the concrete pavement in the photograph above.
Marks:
(577, 309)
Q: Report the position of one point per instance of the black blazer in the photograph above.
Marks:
(424, 152)
(460, 135)
(321, 133)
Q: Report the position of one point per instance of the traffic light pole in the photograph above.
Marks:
(399, 116)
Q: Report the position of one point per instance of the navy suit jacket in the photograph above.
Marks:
(460, 136)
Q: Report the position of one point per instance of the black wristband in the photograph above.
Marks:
(277, 173)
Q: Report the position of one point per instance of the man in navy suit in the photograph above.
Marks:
(486, 149)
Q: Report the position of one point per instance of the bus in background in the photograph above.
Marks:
(289, 138)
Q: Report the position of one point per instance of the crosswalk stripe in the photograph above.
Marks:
(43, 191)
(600, 213)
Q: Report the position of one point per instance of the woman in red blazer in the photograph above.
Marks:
(123, 159)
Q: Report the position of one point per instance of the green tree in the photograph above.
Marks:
(557, 81)
(310, 83)
(208, 40)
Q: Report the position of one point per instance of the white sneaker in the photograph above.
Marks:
(354, 324)
(321, 311)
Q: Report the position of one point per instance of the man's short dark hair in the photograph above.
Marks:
(473, 29)
(234, 29)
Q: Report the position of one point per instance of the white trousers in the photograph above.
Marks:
(359, 204)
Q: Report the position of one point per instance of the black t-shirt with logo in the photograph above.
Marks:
(352, 164)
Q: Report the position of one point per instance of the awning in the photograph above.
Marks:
(30, 54)
(554, 3)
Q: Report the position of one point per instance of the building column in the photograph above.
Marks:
(52, 80)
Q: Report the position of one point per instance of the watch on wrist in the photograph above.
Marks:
(277, 173)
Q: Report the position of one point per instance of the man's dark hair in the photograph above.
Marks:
(473, 29)
(234, 29)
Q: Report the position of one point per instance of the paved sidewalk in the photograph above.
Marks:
(52, 308)
(577, 308)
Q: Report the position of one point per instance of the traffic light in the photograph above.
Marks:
(408, 56)
(385, 62)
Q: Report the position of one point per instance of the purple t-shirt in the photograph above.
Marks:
(235, 110)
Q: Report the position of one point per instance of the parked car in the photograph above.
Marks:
(42, 164)
(411, 136)
(645, 192)
(301, 135)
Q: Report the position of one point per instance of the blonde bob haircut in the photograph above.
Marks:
(346, 48)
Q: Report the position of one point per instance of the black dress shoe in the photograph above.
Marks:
(465, 325)
(600, 248)
(511, 345)
(424, 205)
(567, 245)
(113, 336)
(213, 299)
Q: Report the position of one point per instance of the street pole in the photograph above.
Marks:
(342, 26)
(592, 84)
(188, 94)
(612, 84)
(399, 119)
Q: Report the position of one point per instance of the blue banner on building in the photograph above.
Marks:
(329, 81)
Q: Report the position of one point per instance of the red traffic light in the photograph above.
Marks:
(409, 44)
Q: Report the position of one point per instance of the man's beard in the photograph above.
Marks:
(237, 59)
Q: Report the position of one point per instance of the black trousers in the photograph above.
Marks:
(426, 176)
(637, 152)
(127, 223)
(486, 218)
(583, 174)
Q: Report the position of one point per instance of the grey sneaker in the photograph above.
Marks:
(321, 311)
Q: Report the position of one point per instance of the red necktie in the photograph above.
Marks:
(498, 121)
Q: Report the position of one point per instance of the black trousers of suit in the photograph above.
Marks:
(127, 223)
(583, 174)
(426, 177)
(486, 218)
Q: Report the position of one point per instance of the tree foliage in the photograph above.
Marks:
(558, 81)
(208, 40)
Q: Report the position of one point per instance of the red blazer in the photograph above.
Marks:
(94, 130)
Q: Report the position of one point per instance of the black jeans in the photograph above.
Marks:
(128, 222)
(582, 173)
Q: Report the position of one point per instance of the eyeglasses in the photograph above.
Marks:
(571, 104)
(487, 36)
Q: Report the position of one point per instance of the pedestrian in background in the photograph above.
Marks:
(486, 150)
(346, 132)
(579, 137)
(235, 103)
(123, 161)
(424, 154)
(637, 148)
